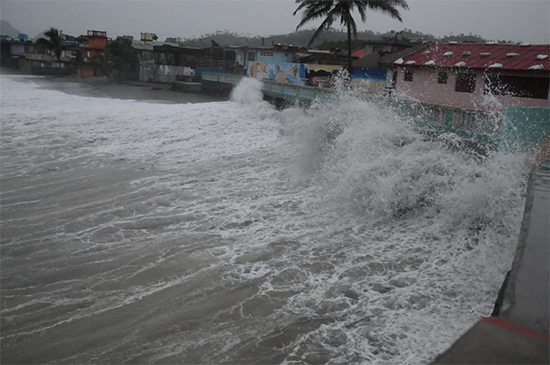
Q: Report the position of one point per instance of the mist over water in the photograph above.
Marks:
(232, 232)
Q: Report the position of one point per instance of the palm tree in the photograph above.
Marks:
(101, 64)
(331, 10)
(78, 58)
(54, 42)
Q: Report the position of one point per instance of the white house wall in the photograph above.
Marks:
(162, 73)
(17, 49)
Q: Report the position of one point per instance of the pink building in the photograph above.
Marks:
(92, 44)
(476, 76)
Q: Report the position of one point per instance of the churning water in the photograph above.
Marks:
(231, 232)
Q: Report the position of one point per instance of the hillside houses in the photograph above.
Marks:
(463, 75)
(23, 54)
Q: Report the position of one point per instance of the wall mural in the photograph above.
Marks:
(371, 79)
(292, 73)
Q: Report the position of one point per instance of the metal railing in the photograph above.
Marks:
(225, 78)
(216, 63)
(296, 92)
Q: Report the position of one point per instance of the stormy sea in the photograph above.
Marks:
(231, 232)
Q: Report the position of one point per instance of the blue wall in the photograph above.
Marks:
(200, 69)
(278, 57)
(367, 73)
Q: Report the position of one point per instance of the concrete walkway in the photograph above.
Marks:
(519, 335)
(526, 296)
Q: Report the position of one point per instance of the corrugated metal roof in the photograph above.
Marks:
(483, 55)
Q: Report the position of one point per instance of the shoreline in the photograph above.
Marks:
(101, 87)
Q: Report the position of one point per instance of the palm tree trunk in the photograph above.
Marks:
(349, 47)
(59, 65)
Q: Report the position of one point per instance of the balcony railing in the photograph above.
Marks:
(97, 33)
(216, 63)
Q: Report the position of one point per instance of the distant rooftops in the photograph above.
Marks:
(483, 55)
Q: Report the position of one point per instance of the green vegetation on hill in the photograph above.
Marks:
(299, 38)
(330, 39)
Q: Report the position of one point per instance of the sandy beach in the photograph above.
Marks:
(101, 87)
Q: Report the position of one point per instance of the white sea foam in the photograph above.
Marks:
(249, 91)
(232, 232)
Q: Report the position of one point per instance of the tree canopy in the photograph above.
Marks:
(54, 42)
(333, 10)
(119, 61)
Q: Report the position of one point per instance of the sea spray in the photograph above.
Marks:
(373, 164)
(248, 91)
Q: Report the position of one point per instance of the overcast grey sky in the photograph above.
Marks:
(516, 20)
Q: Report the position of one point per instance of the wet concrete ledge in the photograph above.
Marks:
(518, 332)
(187, 87)
(527, 293)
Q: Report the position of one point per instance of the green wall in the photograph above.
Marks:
(522, 128)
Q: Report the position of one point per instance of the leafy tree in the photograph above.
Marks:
(54, 42)
(124, 60)
(78, 58)
(100, 64)
(330, 46)
(119, 61)
(331, 10)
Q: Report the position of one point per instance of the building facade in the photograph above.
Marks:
(94, 42)
(476, 76)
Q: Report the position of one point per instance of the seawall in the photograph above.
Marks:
(518, 331)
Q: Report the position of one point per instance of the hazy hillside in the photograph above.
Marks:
(7, 30)
(333, 38)
(300, 38)
(327, 40)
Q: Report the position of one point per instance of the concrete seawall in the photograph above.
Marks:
(526, 295)
(518, 331)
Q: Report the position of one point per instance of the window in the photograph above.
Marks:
(408, 75)
(251, 56)
(522, 87)
(266, 54)
(465, 82)
(442, 77)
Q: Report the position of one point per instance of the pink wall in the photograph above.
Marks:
(97, 42)
(424, 88)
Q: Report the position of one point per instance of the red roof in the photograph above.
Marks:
(483, 55)
(359, 53)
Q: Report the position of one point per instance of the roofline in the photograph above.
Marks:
(496, 63)
(496, 70)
